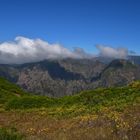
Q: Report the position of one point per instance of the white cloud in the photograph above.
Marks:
(23, 50)
(107, 51)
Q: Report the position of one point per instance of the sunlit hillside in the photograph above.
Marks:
(107, 113)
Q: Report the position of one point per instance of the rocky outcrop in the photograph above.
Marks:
(57, 78)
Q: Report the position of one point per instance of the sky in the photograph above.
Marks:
(72, 24)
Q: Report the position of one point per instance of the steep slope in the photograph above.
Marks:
(57, 78)
(50, 78)
(9, 90)
(86, 67)
(10, 72)
(119, 73)
(53, 77)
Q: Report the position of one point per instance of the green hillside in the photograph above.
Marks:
(9, 90)
(104, 113)
(92, 101)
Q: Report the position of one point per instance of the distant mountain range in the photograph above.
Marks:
(57, 78)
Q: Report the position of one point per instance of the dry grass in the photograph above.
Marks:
(106, 125)
(102, 114)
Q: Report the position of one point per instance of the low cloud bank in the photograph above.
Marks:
(23, 50)
(107, 51)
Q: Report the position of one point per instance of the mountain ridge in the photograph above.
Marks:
(57, 78)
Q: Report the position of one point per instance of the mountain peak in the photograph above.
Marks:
(119, 63)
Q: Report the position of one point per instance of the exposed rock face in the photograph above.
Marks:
(66, 77)
(118, 73)
(86, 67)
(39, 80)
(58, 78)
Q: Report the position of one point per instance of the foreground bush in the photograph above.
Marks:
(10, 134)
(27, 102)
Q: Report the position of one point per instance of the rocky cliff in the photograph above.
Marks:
(68, 76)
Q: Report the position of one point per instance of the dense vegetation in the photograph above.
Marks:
(104, 113)
(9, 90)
(114, 98)
(10, 134)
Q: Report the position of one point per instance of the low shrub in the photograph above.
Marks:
(27, 102)
(10, 134)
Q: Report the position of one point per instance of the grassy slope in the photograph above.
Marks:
(111, 113)
(8, 91)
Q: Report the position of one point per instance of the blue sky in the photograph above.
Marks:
(73, 23)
